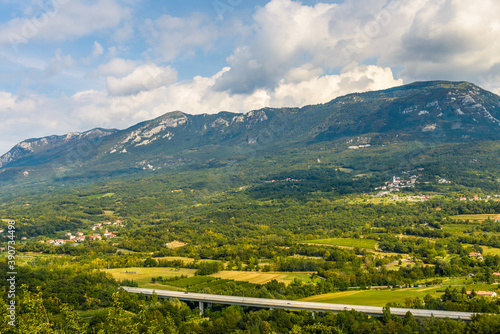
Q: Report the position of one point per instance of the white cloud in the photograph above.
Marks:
(143, 78)
(58, 63)
(285, 32)
(170, 36)
(292, 55)
(452, 39)
(38, 115)
(62, 20)
(317, 89)
(7, 102)
(115, 67)
(97, 50)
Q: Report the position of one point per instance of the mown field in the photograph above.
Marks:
(143, 275)
(381, 297)
(374, 297)
(478, 217)
(346, 242)
(459, 227)
(262, 278)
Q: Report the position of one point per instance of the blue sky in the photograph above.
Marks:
(73, 65)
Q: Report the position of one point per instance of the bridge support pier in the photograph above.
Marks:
(202, 308)
(314, 314)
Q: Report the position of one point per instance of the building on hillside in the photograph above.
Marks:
(478, 255)
(490, 294)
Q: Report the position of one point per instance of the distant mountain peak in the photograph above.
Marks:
(36, 145)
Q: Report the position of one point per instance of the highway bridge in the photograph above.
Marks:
(208, 299)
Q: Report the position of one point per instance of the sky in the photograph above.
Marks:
(74, 65)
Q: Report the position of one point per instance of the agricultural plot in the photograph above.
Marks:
(96, 196)
(143, 275)
(374, 297)
(479, 217)
(175, 244)
(175, 258)
(262, 278)
(459, 227)
(346, 242)
(190, 281)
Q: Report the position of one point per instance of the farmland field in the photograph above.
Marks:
(346, 242)
(374, 297)
(143, 275)
(260, 277)
(479, 217)
(459, 227)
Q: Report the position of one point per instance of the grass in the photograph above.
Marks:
(478, 217)
(175, 244)
(487, 250)
(382, 297)
(185, 259)
(262, 278)
(100, 195)
(458, 227)
(347, 242)
(374, 297)
(143, 275)
(190, 281)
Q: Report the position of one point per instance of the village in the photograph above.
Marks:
(398, 183)
(81, 237)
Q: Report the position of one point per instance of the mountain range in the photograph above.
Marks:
(439, 112)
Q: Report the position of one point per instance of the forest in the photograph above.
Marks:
(314, 233)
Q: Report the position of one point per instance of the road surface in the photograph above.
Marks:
(295, 305)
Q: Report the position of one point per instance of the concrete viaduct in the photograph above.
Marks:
(208, 299)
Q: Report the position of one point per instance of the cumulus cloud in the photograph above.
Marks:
(453, 39)
(171, 36)
(143, 78)
(115, 67)
(61, 20)
(58, 63)
(135, 100)
(97, 50)
(285, 31)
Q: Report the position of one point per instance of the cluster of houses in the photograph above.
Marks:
(285, 180)
(421, 198)
(476, 255)
(397, 182)
(80, 237)
(100, 226)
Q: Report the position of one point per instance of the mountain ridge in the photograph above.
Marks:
(438, 111)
